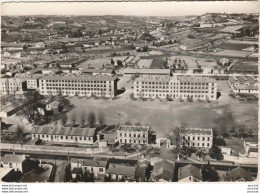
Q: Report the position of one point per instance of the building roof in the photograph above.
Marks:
(189, 170)
(94, 162)
(197, 131)
(153, 78)
(245, 87)
(232, 29)
(131, 128)
(101, 71)
(67, 131)
(163, 170)
(79, 77)
(237, 174)
(196, 79)
(121, 170)
(125, 162)
(13, 158)
(147, 71)
(35, 70)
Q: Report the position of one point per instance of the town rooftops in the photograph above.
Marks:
(121, 170)
(125, 162)
(147, 71)
(133, 128)
(100, 71)
(35, 70)
(189, 170)
(163, 170)
(242, 80)
(196, 79)
(79, 77)
(4, 172)
(67, 131)
(196, 131)
(7, 158)
(25, 76)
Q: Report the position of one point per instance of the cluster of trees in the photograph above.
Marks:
(32, 106)
(90, 118)
(162, 43)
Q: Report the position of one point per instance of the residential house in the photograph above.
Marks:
(96, 166)
(163, 171)
(189, 173)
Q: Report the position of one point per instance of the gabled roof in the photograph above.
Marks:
(90, 162)
(101, 71)
(163, 170)
(133, 128)
(189, 170)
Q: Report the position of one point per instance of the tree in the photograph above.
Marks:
(20, 132)
(82, 118)
(218, 141)
(91, 119)
(67, 176)
(128, 123)
(215, 153)
(101, 118)
(64, 119)
(30, 104)
(209, 174)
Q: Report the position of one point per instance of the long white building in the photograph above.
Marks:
(79, 85)
(12, 86)
(194, 87)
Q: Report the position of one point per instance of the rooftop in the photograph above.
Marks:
(79, 77)
(197, 131)
(237, 174)
(147, 71)
(121, 170)
(13, 158)
(85, 70)
(163, 170)
(91, 162)
(189, 170)
(133, 128)
(67, 131)
(154, 78)
(196, 79)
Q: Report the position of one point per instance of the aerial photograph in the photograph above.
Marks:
(159, 93)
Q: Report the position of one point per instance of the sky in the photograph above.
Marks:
(128, 8)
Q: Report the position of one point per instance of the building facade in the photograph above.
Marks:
(243, 84)
(182, 87)
(196, 137)
(79, 85)
(127, 134)
(11, 86)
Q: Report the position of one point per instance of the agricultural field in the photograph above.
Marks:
(245, 66)
(233, 46)
(145, 63)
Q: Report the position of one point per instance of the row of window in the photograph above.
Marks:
(197, 144)
(133, 141)
(174, 83)
(77, 81)
(63, 137)
(194, 138)
(132, 135)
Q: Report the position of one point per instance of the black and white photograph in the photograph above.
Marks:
(109, 92)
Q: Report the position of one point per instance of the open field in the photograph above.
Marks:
(163, 115)
(232, 53)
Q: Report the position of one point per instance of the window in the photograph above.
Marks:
(101, 170)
